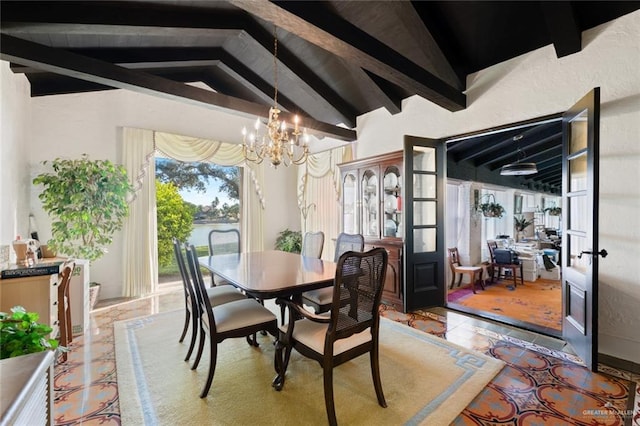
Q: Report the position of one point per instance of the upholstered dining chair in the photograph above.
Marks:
(350, 330)
(64, 307)
(320, 299)
(474, 272)
(503, 260)
(216, 295)
(312, 244)
(240, 318)
(223, 241)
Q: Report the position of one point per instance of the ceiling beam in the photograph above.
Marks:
(388, 93)
(563, 27)
(313, 22)
(66, 63)
(149, 18)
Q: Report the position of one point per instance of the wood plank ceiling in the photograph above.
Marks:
(336, 59)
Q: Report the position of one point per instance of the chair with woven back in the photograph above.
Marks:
(350, 330)
(239, 318)
(320, 300)
(474, 272)
(312, 244)
(223, 241)
(64, 307)
(216, 295)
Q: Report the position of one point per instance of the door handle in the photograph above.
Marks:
(602, 253)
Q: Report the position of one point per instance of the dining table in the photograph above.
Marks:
(271, 274)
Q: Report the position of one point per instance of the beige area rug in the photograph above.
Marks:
(426, 380)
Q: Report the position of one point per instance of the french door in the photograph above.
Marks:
(580, 250)
(424, 255)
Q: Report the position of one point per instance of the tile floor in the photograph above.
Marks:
(541, 384)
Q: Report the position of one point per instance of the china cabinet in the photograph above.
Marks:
(372, 205)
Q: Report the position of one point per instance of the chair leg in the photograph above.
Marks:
(453, 280)
(212, 368)
(328, 395)
(187, 318)
(480, 280)
(473, 282)
(460, 280)
(194, 335)
(200, 348)
(375, 373)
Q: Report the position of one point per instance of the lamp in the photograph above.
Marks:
(276, 145)
(518, 168)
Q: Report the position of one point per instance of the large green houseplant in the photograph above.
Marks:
(87, 201)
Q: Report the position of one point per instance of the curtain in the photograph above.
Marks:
(189, 149)
(139, 255)
(319, 190)
(140, 230)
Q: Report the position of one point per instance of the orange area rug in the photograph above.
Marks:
(538, 302)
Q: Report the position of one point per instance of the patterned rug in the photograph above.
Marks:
(538, 302)
(157, 387)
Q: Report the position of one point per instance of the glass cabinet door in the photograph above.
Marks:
(349, 204)
(370, 203)
(392, 202)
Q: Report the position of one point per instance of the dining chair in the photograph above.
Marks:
(474, 272)
(320, 299)
(223, 241)
(240, 318)
(64, 307)
(312, 244)
(351, 330)
(503, 260)
(216, 296)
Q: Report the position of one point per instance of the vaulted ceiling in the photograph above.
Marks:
(336, 59)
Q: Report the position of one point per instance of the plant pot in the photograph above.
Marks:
(94, 291)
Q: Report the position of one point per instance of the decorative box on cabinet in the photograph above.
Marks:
(372, 205)
(79, 295)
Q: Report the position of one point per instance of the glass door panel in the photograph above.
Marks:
(349, 204)
(392, 201)
(370, 203)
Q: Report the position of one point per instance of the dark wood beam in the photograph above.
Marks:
(563, 27)
(66, 63)
(149, 18)
(388, 95)
(312, 22)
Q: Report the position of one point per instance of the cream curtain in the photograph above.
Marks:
(319, 189)
(139, 254)
(186, 148)
(140, 231)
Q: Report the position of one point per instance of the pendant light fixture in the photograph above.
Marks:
(519, 168)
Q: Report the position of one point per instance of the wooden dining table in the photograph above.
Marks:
(271, 274)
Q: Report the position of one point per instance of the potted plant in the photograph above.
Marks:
(87, 201)
(21, 334)
(290, 241)
(521, 223)
(554, 211)
(491, 208)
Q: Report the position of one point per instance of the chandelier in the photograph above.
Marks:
(278, 144)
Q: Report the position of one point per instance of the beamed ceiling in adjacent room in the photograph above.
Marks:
(336, 59)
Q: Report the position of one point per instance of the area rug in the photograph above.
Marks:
(538, 302)
(426, 380)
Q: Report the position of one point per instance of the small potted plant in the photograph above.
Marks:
(87, 201)
(491, 208)
(521, 223)
(290, 241)
(554, 211)
(21, 334)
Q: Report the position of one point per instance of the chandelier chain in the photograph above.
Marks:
(275, 66)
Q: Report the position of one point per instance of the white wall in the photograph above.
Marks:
(70, 125)
(537, 84)
(15, 137)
